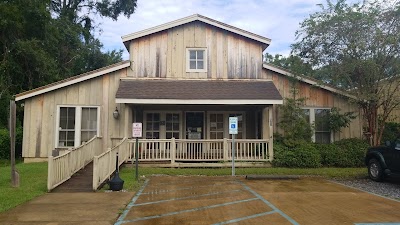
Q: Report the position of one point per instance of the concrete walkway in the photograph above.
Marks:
(69, 209)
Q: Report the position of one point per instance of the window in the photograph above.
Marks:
(216, 126)
(66, 136)
(172, 125)
(322, 132)
(196, 60)
(76, 125)
(153, 126)
(318, 117)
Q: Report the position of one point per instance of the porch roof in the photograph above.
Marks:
(233, 92)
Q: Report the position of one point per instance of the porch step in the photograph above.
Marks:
(81, 181)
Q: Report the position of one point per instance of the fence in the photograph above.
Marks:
(62, 167)
(105, 163)
(201, 150)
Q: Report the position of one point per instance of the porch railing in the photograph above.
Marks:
(104, 164)
(201, 150)
(62, 167)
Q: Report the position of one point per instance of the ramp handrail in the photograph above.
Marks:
(62, 167)
(104, 164)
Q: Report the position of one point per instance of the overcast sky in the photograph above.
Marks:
(274, 19)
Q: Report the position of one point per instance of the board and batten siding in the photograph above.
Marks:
(316, 97)
(163, 54)
(40, 113)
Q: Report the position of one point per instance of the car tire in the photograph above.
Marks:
(375, 170)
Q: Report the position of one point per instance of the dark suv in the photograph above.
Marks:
(383, 161)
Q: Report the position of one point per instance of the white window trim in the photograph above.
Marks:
(162, 130)
(188, 60)
(312, 120)
(226, 122)
(78, 118)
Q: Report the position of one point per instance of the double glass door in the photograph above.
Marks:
(162, 125)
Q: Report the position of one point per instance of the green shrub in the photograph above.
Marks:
(330, 154)
(296, 155)
(391, 132)
(5, 143)
(351, 152)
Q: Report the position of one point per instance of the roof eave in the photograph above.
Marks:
(308, 81)
(70, 81)
(196, 17)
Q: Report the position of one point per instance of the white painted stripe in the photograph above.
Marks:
(200, 101)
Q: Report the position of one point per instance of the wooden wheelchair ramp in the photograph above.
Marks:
(81, 181)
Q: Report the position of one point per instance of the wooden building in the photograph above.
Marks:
(183, 81)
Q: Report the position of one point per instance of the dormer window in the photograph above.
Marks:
(196, 60)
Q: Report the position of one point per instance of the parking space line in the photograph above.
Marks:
(268, 203)
(131, 203)
(188, 210)
(182, 182)
(246, 218)
(188, 197)
(186, 188)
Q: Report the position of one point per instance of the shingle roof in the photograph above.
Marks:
(198, 90)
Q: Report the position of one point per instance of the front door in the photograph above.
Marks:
(194, 125)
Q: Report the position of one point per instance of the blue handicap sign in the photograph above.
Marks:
(233, 126)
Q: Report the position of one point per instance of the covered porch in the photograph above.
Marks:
(187, 121)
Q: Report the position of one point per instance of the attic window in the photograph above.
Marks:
(196, 60)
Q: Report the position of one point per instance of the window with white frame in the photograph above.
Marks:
(196, 60)
(319, 117)
(322, 131)
(216, 126)
(76, 125)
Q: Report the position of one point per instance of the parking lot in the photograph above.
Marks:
(227, 200)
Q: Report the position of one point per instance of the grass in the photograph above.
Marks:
(128, 173)
(33, 180)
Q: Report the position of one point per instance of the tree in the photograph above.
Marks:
(358, 48)
(293, 63)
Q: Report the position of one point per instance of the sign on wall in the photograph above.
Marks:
(137, 130)
(233, 125)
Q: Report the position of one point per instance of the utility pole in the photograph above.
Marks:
(12, 123)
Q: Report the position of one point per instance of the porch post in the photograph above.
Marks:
(128, 121)
(225, 146)
(266, 130)
(271, 131)
(173, 150)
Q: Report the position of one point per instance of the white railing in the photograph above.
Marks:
(104, 164)
(152, 149)
(250, 150)
(201, 150)
(62, 167)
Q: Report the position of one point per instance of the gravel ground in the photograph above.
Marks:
(389, 188)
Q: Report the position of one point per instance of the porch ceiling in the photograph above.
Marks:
(234, 92)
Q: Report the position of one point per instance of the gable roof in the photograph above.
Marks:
(196, 17)
(307, 80)
(72, 80)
